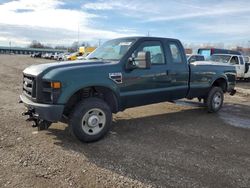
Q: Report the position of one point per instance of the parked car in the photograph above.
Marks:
(60, 57)
(54, 55)
(120, 74)
(236, 60)
(38, 55)
(43, 55)
(46, 55)
(194, 57)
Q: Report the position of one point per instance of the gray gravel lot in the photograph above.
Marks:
(160, 145)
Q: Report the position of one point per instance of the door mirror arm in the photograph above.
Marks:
(142, 61)
(131, 64)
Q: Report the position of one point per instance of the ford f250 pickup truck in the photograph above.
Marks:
(120, 74)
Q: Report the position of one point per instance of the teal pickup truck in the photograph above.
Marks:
(122, 73)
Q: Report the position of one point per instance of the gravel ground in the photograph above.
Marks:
(160, 145)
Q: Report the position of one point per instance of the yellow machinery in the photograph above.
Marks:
(86, 50)
(82, 51)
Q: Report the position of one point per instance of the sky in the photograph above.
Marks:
(58, 22)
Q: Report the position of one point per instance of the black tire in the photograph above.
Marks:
(87, 119)
(215, 99)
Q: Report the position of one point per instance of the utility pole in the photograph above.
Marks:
(248, 50)
(78, 33)
(10, 46)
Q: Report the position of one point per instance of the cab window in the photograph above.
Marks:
(175, 53)
(234, 60)
(155, 49)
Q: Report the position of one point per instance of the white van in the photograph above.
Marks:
(236, 60)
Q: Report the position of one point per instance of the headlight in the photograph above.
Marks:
(51, 91)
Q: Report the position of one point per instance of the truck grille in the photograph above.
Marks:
(29, 86)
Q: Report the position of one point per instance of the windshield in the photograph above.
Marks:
(220, 58)
(112, 50)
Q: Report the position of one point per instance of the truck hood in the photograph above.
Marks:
(35, 70)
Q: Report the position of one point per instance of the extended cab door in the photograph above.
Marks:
(238, 62)
(177, 69)
(145, 86)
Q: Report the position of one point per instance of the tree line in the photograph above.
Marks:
(74, 46)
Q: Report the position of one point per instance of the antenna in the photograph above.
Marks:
(99, 42)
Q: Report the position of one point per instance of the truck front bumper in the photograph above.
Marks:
(49, 112)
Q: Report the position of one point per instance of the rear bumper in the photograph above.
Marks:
(49, 112)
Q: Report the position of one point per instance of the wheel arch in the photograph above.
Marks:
(220, 82)
(103, 92)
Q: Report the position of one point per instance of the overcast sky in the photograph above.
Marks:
(58, 21)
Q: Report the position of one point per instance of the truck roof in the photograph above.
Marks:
(147, 38)
(220, 51)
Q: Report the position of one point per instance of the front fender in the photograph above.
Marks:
(71, 89)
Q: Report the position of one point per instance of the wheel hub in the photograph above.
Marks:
(217, 100)
(93, 121)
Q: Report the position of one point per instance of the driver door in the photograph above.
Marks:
(145, 86)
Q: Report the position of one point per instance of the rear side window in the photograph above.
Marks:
(175, 53)
(241, 61)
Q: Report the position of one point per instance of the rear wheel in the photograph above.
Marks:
(91, 119)
(215, 99)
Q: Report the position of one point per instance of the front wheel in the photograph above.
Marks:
(215, 99)
(91, 119)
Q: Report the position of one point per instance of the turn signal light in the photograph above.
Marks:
(55, 85)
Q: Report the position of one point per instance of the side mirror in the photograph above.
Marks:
(142, 61)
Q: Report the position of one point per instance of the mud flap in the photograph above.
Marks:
(232, 92)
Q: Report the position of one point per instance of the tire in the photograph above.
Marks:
(91, 120)
(215, 99)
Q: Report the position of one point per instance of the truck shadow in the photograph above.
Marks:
(156, 149)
